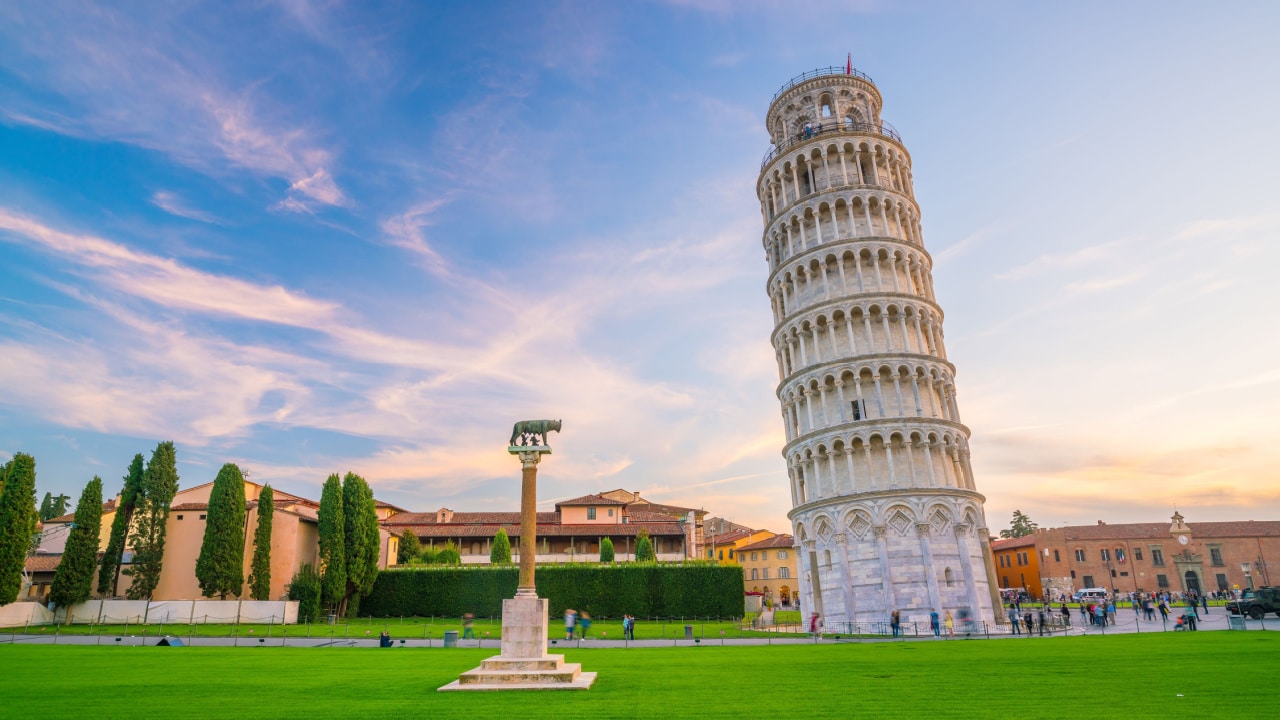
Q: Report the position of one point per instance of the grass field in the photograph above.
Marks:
(1129, 676)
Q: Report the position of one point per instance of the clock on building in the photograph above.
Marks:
(1183, 539)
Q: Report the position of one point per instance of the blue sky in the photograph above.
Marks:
(320, 237)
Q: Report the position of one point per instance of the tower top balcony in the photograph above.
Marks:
(825, 100)
(848, 127)
(818, 73)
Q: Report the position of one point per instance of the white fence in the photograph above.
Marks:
(159, 611)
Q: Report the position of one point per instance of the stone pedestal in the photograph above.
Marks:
(524, 663)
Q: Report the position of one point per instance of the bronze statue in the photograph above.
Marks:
(533, 432)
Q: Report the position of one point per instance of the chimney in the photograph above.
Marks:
(1101, 523)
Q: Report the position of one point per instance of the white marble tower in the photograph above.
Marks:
(884, 507)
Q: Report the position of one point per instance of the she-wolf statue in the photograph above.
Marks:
(533, 430)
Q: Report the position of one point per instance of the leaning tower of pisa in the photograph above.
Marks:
(884, 507)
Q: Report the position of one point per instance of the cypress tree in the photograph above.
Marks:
(410, 548)
(109, 575)
(159, 484)
(606, 550)
(260, 574)
(17, 515)
(73, 581)
(500, 553)
(220, 567)
(360, 514)
(333, 554)
(644, 547)
(59, 505)
(46, 507)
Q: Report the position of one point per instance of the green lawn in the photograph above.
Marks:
(1125, 676)
(398, 627)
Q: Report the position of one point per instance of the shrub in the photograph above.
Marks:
(693, 589)
(305, 588)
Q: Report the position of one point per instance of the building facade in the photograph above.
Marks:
(769, 568)
(1018, 565)
(570, 534)
(884, 506)
(1174, 556)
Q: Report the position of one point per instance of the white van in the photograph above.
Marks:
(1091, 595)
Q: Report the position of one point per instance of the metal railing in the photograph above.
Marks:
(820, 72)
(882, 129)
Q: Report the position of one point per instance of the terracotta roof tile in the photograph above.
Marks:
(43, 563)
(1010, 543)
(436, 530)
(108, 506)
(777, 541)
(467, 518)
(589, 500)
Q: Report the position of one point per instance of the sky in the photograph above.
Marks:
(317, 237)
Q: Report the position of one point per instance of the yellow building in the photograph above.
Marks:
(724, 548)
(769, 568)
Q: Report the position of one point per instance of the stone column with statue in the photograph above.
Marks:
(523, 662)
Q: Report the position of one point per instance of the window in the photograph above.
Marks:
(1162, 581)
(1088, 581)
(591, 513)
(1056, 557)
(1113, 573)
(202, 516)
(784, 573)
(826, 557)
(753, 556)
(1222, 582)
(730, 553)
(764, 574)
(1006, 580)
(1106, 555)
(179, 517)
(721, 554)
(782, 554)
(859, 409)
(755, 574)
(1215, 556)
(1137, 553)
(1157, 558)
(711, 553)
(610, 512)
(1073, 574)
(1120, 555)
(1079, 556)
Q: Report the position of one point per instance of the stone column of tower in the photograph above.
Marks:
(885, 513)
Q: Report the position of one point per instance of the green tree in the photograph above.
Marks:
(46, 508)
(428, 555)
(159, 485)
(500, 553)
(305, 588)
(17, 516)
(360, 514)
(606, 550)
(260, 573)
(333, 554)
(410, 548)
(448, 555)
(220, 566)
(59, 505)
(109, 575)
(1021, 526)
(644, 547)
(73, 581)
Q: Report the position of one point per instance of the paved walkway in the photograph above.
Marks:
(1126, 623)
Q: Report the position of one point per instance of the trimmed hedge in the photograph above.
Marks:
(696, 589)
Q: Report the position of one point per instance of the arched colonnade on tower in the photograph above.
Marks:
(843, 217)
(835, 332)
(878, 459)
(868, 390)
(857, 269)
(837, 163)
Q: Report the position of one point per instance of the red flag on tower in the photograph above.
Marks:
(848, 65)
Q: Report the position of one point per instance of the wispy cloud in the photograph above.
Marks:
(171, 203)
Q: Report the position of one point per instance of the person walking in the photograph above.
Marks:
(468, 626)
(815, 625)
(935, 623)
(628, 627)
(584, 623)
(1066, 615)
(950, 624)
(895, 621)
(1164, 611)
(570, 621)
(1204, 603)
(1013, 619)
(1042, 619)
